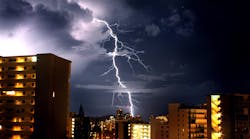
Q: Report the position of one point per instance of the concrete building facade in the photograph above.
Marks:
(187, 122)
(159, 127)
(229, 116)
(34, 97)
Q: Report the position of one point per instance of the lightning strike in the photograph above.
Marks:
(123, 51)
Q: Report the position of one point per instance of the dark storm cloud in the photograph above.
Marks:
(193, 47)
(152, 30)
(52, 20)
(180, 21)
(12, 12)
(55, 24)
(49, 23)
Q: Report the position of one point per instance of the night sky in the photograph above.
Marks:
(192, 48)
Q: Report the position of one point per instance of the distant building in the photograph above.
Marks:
(187, 122)
(159, 127)
(128, 127)
(34, 97)
(139, 131)
(71, 125)
(229, 116)
(108, 128)
(81, 125)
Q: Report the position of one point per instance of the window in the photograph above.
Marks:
(17, 111)
(10, 84)
(10, 101)
(31, 110)
(9, 110)
(12, 60)
(11, 68)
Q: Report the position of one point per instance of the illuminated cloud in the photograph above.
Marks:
(152, 30)
(50, 26)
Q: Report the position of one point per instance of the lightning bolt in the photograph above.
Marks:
(124, 51)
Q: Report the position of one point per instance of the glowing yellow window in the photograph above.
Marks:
(19, 68)
(19, 85)
(19, 76)
(20, 59)
(18, 102)
(16, 137)
(19, 93)
(10, 93)
(17, 128)
(1, 127)
(17, 119)
(32, 59)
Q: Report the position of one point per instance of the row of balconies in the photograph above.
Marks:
(17, 102)
(18, 59)
(17, 111)
(21, 119)
(18, 76)
(17, 128)
(20, 94)
(17, 68)
(18, 85)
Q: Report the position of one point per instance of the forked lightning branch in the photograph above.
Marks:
(131, 54)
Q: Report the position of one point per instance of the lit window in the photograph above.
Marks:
(32, 102)
(18, 102)
(19, 68)
(17, 128)
(19, 93)
(31, 128)
(16, 137)
(34, 59)
(1, 127)
(19, 85)
(17, 119)
(20, 59)
(19, 76)
(53, 95)
(10, 93)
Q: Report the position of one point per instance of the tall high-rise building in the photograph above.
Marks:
(139, 131)
(34, 97)
(187, 122)
(229, 116)
(128, 127)
(159, 127)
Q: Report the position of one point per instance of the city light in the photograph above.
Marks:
(34, 59)
(10, 93)
(216, 116)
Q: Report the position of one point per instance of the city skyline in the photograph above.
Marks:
(192, 48)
